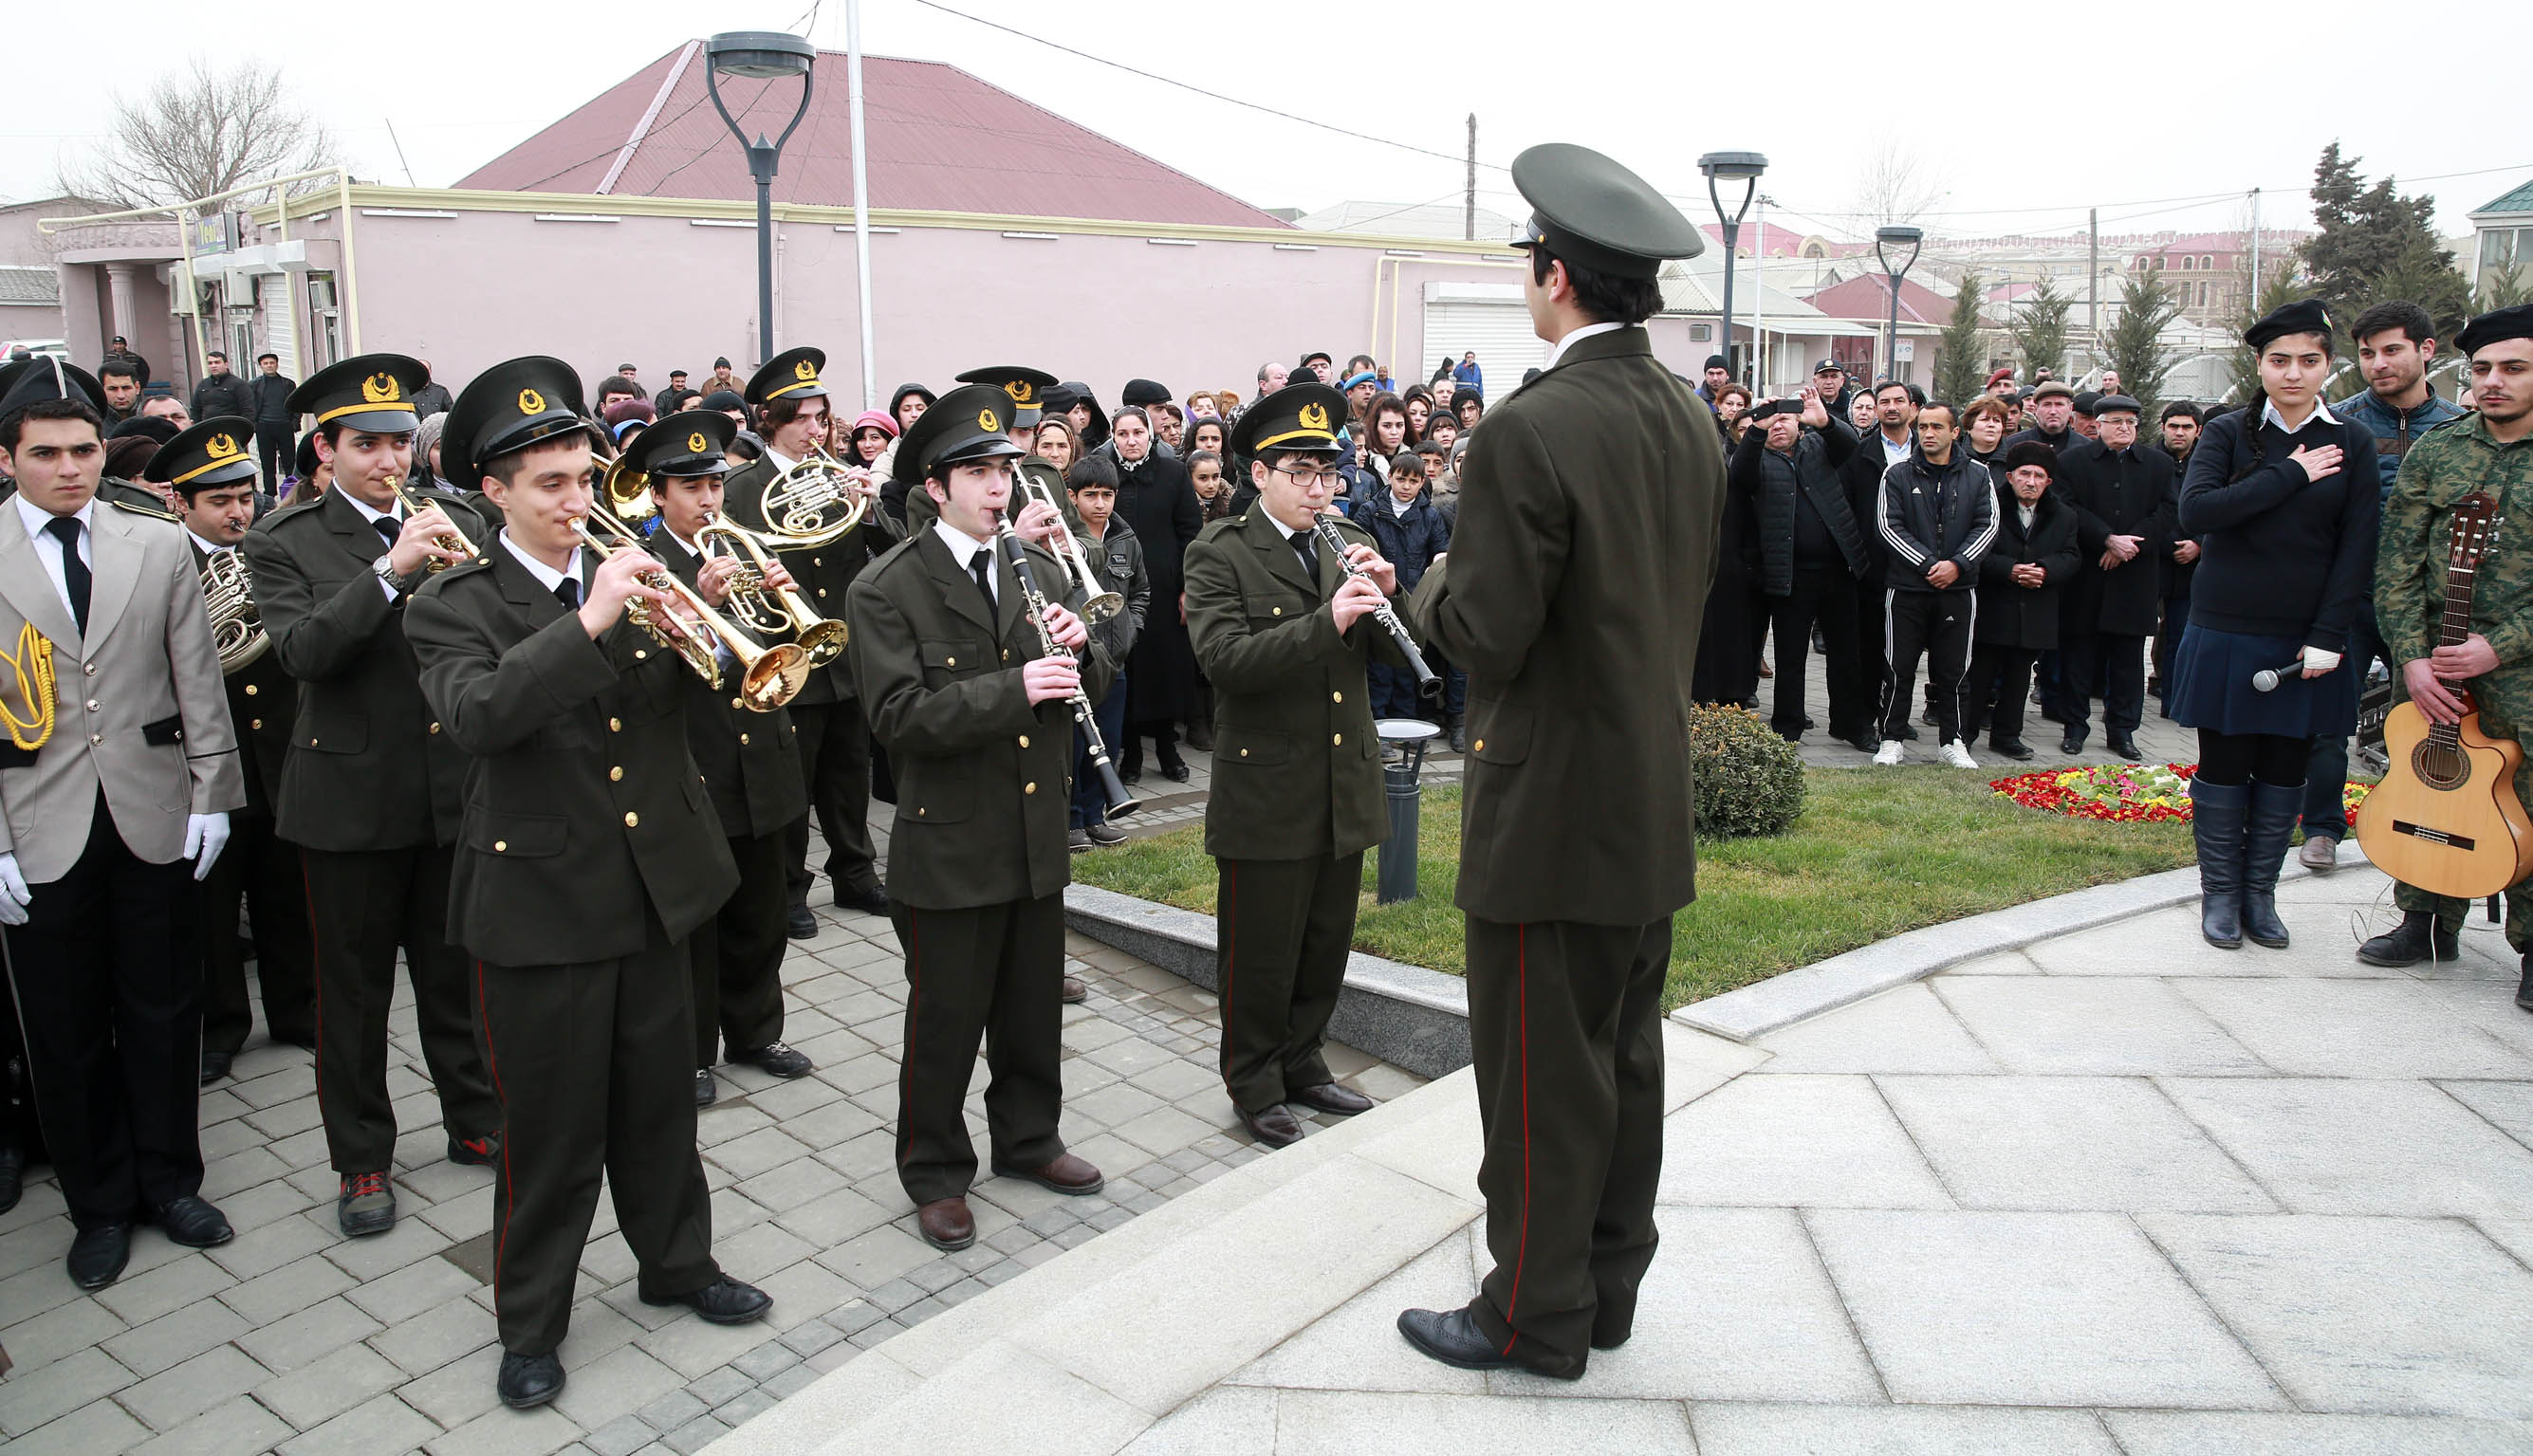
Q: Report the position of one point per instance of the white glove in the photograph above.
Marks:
(205, 836)
(2318, 661)
(15, 897)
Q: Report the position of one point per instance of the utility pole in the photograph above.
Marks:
(2093, 278)
(1469, 207)
(2252, 302)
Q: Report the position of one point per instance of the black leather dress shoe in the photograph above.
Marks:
(2126, 747)
(215, 1064)
(1176, 773)
(800, 924)
(13, 1174)
(872, 901)
(707, 1091)
(529, 1380)
(1453, 1337)
(99, 1254)
(724, 1300)
(2072, 744)
(192, 1222)
(1276, 1127)
(1331, 1099)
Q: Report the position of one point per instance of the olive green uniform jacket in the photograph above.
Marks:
(983, 777)
(1573, 597)
(584, 816)
(1296, 760)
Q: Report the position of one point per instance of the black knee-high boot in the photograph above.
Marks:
(2216, 815)
(2276, 808)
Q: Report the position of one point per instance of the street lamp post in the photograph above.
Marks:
(765, 55)
(1885, 240)
(1744, 167)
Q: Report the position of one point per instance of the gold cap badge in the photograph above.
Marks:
(1313, 417)
(1021, 391)
(805, 369)
(531, 402)
(697, 443)
(380, 388)
(985, 421)
(221, 447)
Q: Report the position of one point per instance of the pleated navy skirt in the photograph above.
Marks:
(2211, 689)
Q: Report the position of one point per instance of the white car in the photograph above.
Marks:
(58, 347)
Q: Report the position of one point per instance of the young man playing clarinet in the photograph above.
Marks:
(976, 716)
(1278, 625)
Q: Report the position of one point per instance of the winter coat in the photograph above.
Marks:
(1771, 482)
(2128, 493)
(2394, 429)
(2011, 614)
(1117, 559)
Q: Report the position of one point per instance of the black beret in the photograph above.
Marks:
(2304, 316)
(2495, 326)
(303, 459)
(157, 426)
(2089, 402)
(2029, 453)
(723, 400)
(1144, 392)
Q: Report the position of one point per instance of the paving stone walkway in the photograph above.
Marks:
(296, 1339)
(2118, 1192)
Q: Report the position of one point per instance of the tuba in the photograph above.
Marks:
(30, 666)
(769, 612)
(813, 502)
(237, 629)
(454, 540)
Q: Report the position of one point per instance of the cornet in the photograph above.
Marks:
(770, 676)
(454, 540)
(1098, 604)
(770, 610)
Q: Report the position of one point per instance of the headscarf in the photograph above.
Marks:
(424, 437)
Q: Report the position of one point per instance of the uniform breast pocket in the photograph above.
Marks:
(515, 836)
(949, 662)
(333, 731)
(937, 790)
(1251, 748)
(1274, 609)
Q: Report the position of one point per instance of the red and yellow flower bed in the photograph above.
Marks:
(2123, 793)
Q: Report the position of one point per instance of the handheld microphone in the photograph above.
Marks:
(2268, 679)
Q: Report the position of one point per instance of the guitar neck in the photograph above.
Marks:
(2456, 622)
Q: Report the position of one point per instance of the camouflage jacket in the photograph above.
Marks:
(2442, 467)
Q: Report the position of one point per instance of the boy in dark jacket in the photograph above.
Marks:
(1938, 516)
(2020, 581)
(1411, 532)
(1116, 558)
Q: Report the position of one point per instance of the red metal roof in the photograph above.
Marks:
(939, 139)
(1869, 297)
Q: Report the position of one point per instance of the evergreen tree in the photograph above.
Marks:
(2040, 329)
(2505, 289)
(2424, 275)
(2375, 244)
(2134, 344)
(1962, 369)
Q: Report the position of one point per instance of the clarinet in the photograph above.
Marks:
(1428, 682)
(1113, 788)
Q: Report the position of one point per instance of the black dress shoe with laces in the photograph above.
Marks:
(707, 1091)
(99, 1254)
(215, 1064)
(800, 924)
(192, 1222)
(724, 1300)
(1331, 1099)
(871, 900)
(775, 1058)
(529, 1380)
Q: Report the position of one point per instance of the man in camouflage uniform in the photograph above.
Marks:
(2489, 450)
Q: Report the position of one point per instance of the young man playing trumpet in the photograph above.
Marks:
(211, 469)
(750, 763)
(1277, 621)
(369, 789)
(589, 854)
(977, 721)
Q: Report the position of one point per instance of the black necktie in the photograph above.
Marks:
(75, 577)
(567, 592)
(1309, 558)
(983, 570)
(390, 527)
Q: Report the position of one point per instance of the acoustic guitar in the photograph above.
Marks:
(2446, 817)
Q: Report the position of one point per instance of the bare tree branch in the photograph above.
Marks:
(200, 132)
(1895, 184)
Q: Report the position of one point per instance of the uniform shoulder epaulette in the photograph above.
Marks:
(2466, 415)
(131, 505)
(439, 580)
(284, 513)
(1217, 528)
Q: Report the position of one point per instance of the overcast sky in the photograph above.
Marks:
(2021, 118)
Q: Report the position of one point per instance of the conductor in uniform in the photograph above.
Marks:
(794, 415)
(975, 719)
(590, 852)
(211, 468)
(1280, 627)
(370, 788)
(1572, 594)
(116, 768)
(750, 763)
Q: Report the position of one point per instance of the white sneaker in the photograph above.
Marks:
(1890, 752)
(1958, 754)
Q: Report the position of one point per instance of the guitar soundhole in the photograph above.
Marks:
(2441, 765)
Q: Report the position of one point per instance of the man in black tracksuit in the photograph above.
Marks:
(1937, 515)
(1814, 551)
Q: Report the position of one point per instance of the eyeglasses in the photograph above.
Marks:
(1309, 478)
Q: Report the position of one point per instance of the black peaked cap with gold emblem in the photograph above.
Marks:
(1297, 417)
(368, 392)
(686, 443)
(47, 376)
(1025, 387)
(970, 423)
(790, 375)
(510, 406)
(219, 452)
(1598, 215)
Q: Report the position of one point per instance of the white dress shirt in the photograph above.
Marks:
(963, 550)
(209, 548)
(2269, 415)
(546, 576)
(1576, 337)
(374, 515)
(48, 547)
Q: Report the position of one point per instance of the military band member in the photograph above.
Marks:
(1279, 626)
(795, 414)
(1572, 594)
(977, 722)
(590, 853)
(1027, 390)
(370, 788)
(750, 765)
(116, 768)
(211, 469)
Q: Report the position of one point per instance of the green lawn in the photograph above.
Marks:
(1877, 851)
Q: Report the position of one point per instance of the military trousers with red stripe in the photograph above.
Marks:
(1285, 929)
(982, 972)
(594, 1067)
(1566, 1029)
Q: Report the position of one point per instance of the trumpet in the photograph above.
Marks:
(237, 627)
(1098, 603)
(768, 610)
(1111, 787)
(770, 676)
(453, 540)
(798, 503)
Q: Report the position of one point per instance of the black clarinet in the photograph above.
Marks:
(1113, 788)
(1428, 681)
